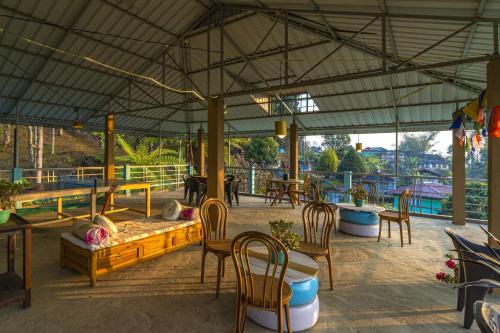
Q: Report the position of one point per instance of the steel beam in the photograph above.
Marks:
(319, 12)
(360, 75)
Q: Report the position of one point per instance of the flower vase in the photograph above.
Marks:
(281, 258)
(358, 202)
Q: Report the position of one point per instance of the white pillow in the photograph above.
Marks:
(171, 209)
(106, 223)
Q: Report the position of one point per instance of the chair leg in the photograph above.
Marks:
(330, 268)
(203, 256)
(280, 319)
(379, 229)
(219, 268)
(237, 197)
(401, 233)
(223, 266)
(389, 227)
(472, 295)
(237, 323)
(287, 318)
(409, 232)
(461, 299)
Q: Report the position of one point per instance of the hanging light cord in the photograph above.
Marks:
(97, 62)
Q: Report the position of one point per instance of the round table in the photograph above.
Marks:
(302, 276)
(284, 187)
(359, 221)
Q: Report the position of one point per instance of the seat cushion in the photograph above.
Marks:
(257, 300)
(220, 246)
(312, 249)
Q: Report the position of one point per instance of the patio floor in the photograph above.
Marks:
(378, 287)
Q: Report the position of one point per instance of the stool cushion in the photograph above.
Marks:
(171, 210)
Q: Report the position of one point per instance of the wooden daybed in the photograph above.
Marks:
(136, 241)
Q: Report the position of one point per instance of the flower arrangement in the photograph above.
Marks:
(358, 193)
(282, 230)
(446, 277)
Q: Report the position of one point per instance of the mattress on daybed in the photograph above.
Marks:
(129, 231)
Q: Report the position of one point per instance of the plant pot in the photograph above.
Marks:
(281, 258)
(4, 216)
(358, 203)
(285, 176)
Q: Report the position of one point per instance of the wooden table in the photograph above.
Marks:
(359, 221)
(14, 288)
(284, 187)
(302, 276)
(59, 190)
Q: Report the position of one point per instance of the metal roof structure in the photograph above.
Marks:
(367, 66)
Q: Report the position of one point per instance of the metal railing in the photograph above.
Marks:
(429, 195)
(161, 177)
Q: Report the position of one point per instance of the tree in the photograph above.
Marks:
(418, 143)
(352, 162)
(340, 143)
(328, 160)
(409, 166)
(262, 151)
(476, 198)
(374, 164)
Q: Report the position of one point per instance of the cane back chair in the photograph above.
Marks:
(400, 217)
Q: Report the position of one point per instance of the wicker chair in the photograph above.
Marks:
(213, 214)
(400, 217)
(318, 219)
(266, 291)
(296, 193)
(372, 192)
(469, 271)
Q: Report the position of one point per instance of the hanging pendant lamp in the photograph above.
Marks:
(359, 145)
(77, 124)
(280, 128)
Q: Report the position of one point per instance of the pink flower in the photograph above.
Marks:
(451, 264)
(440, 276)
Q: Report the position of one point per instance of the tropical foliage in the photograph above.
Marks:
(328, 160)
(282, 230)
(146, 153)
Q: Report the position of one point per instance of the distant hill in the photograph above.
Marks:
(72, 148)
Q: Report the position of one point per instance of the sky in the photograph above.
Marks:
(387, 140)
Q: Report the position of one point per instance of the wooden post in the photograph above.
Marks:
(200, 154)
(493, 99)
(109, 147)
(294, 151)
(458, 174)
(215, 186)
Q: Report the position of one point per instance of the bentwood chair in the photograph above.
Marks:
(264, 289)
(318, 219)
(296, 193)
(315, 192)
(271, 188)
(471, 271)
(213, 213)
(372, 192)
(399, 217)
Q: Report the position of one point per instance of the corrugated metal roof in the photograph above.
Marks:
(47, 86)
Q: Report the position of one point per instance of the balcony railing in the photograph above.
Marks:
(430, 195)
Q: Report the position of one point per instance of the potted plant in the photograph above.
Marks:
(285, 173)
(358, 194)
(7, 191)
(282, 230)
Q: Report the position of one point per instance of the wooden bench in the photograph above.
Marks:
(151, 238)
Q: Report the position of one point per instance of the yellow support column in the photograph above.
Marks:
(458, 174)
(215, 186)
(493, 99)
(294, 151)
(200, 155)
(109, 147)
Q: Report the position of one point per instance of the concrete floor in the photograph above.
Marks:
(378, 287)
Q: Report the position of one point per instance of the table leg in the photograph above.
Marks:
(279, 196)
(148, 202)
(27, 267)
(11, 253)
(59, 207)
(290, 196)
(93, 204)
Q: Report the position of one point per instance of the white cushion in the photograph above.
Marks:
(171, 210)
(106, 223)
